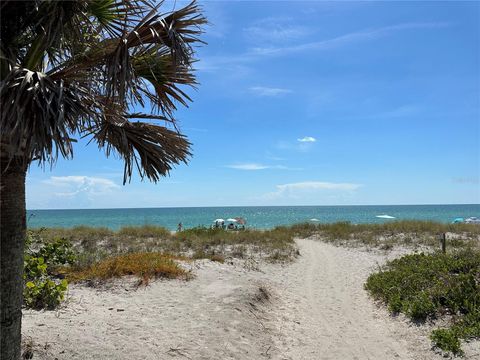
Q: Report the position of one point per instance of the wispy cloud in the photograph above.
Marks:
(403, 111)
(307, 139)
(474, 180)
(275, 29)
(317, 185)
(256, 166)
(303, 145)
(352, 37)
(75, 185)
(307, 188)
(248, 166)
(215, 63)
(269, 91)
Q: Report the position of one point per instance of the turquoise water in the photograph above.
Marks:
(259, 217)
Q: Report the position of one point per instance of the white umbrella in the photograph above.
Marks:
(218, 220)
(232, 220)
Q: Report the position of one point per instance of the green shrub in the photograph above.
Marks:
(44, 293)
(34, 267)
(420, 307)
(42, 290)
(447, 340)
(423, 286)
(58, 252)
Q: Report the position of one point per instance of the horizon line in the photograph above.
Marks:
(239, 206)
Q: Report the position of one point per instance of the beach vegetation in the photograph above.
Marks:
(429, 286)
(409, 233)
(145, 266)
(196, 242)
(44, 293)
(145, 231)
(42, 288)
(210, 255)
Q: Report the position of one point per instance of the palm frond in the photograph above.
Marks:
(152, 149)
(174, 32)
(165, 77)
(38, 115)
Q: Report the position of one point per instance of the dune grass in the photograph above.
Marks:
(431, 285)
(94, 244)
(214, 244)
(390, 234)
(145, 266)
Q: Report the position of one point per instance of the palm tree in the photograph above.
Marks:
(72, 69)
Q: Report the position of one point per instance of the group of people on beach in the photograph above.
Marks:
(218, 225)
(231, 226)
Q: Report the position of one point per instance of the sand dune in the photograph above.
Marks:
(316, 309)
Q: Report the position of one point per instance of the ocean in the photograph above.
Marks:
(258, 217)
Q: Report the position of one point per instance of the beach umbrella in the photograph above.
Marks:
(218, 220)
(314, 220)
(232, 220)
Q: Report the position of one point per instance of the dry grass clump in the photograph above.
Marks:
(144, 265)
(145, 231)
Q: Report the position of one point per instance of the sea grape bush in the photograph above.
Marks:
(44, 293)
(58, 252)
(42, 290)
(427, 286)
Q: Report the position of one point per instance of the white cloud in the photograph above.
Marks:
(268, 91)
(75, 185)
(307, 139)
(255, 166)
(302, 145)
(248, 166)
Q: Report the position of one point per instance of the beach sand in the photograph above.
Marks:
(313, 308)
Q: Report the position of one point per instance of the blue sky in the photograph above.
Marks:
(311, 103)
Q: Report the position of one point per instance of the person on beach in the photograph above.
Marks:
(179, 227)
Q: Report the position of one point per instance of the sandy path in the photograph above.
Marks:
(326, 314)
(318, 310)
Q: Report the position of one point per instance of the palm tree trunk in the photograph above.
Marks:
(12, 237)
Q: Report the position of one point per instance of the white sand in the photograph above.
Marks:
(318, 310)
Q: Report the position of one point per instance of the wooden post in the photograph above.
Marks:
(442, 237)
